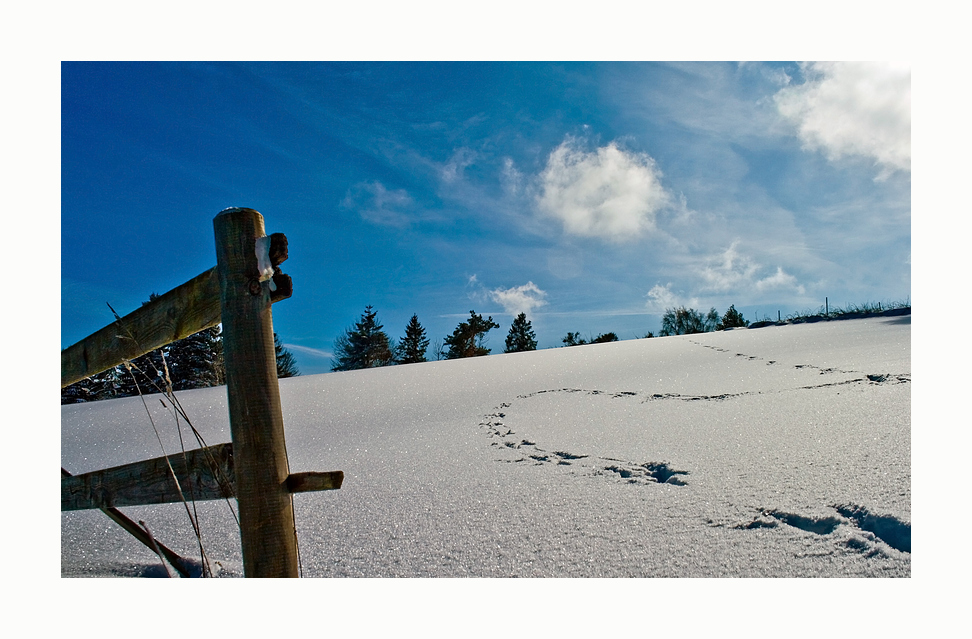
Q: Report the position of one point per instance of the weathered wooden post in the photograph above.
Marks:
(269, 541)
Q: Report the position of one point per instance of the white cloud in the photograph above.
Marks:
(307, 350)
(452, 171)
(610, 193)
(728, 270)
(378, 205)
(732, 272)
(853, 108)
(510, 177)
(779, 280)
(519, 299)
(661, 298)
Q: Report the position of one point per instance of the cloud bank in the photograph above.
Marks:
(610, 193)
(853, 109)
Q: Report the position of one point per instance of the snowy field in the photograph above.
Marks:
(773, 452)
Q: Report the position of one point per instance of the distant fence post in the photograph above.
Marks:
(268, 538)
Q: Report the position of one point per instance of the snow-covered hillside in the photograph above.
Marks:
(782, 451)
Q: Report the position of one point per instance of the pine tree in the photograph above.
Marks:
(521, 337)
(469, 338)
(114, 382)
(90, 389)
(364, 346)
(193, 361)
(411, 348)
(732, 319)
(143, 375)
(286, 364)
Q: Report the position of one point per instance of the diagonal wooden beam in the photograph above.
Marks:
(178, 562)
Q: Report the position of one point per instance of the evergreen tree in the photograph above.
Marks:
(732, 319)
(78, 392)
(193, 361)
(411, 348)
(469, 338)
(143, 375)
(286, 364)
(521, 337)
(118, 381)
(90, 389)
(363, 346)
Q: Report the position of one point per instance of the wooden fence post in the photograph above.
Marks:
(269, 541)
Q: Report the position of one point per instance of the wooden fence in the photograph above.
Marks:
(238, 292)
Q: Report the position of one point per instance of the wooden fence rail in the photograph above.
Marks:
(183, 311)
(238, 292)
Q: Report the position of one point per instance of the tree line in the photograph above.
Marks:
(193, 362)
(367, 345)
(687, 321)
(197, 361)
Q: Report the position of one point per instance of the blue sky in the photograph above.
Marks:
(591, 196)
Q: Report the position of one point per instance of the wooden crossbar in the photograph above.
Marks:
(150, 482)
(204, 474)
(183, 311)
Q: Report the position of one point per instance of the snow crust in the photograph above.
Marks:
(775, 452)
